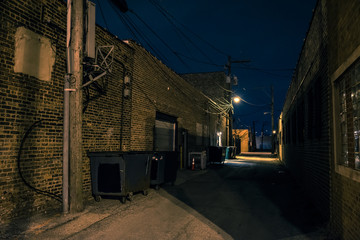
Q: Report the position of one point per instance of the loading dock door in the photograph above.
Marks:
(164, 137)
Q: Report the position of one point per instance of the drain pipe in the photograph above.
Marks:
(66, 123)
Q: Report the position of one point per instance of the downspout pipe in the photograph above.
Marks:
(66, 123)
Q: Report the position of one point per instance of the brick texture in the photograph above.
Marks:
(111, 122)
(308, 132)
(344, 23)
(307, 140)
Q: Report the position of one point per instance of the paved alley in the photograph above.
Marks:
(245, 198)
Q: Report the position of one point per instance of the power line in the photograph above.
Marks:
(102, 14)
(144, 37)
(208, 43)
(266, 71)
(164, 13)
(157, 35)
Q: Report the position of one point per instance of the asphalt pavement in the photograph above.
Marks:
(250, 197)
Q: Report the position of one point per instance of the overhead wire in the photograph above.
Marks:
(168, 17)
(133, 29)
(176, 29)
(144, 37)
(263, 71)
(208, 43)
(200, 61)
(102, 14)
(157, 35)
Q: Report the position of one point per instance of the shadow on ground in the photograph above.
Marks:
(251, 200)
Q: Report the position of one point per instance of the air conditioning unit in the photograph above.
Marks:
(199, 159)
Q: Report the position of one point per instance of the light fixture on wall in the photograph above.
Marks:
(127, 79)
(127, 83)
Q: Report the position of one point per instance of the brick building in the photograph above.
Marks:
(128, 109)
(214, 85)
(319, 124)
(241, 140)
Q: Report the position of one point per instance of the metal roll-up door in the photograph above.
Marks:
(165, 132)
(164, 136)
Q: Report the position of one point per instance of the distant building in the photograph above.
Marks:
(241, 140)
(214, 85)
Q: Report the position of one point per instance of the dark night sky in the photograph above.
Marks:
(203, 33)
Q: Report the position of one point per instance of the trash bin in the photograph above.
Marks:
(157, 170)
(119, 173)
(171, 166)
(215, 154)
(230, 152)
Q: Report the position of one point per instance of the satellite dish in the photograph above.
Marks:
(121, 4)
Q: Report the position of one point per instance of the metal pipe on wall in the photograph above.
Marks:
(66, 121)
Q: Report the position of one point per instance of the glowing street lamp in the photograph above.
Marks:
(236, 99)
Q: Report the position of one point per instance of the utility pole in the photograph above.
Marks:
(75, 107)
(228, 80)
(254, 138)
(272, 120)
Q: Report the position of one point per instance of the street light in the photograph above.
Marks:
(237, 99)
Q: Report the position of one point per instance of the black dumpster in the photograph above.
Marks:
(216, 154)
(171, 166)
(119, 173)
(164, 168)
(157, 170)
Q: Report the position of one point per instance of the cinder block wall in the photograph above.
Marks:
(306, 116)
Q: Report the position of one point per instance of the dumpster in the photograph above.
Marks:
(164, 167)
(171, 166)
(230, 152)
(215, 154)
(119, 173)
(157, 170)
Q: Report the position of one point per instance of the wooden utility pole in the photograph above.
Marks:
(75, 153)
(272, 120)
(228, 66)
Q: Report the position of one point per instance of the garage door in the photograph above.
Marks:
(165, 130)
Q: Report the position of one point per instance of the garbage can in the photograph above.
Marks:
(119, 173)
(157, 170)
(230, 152)
(171, 166)
(215, 154)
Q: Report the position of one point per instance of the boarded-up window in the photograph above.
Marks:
(34, 54)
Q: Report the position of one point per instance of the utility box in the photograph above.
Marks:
(90, 30)
(119, 173)
(199, 159)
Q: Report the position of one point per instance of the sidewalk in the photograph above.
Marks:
(61, 226)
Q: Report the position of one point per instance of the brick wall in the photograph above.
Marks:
(156, 88)
(111, 122)
(344, 43)
(306, 116)
(325, 60)
(214, 85)
(24, 101)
